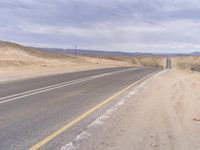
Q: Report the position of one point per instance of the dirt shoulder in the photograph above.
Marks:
(162, 114)
(10, 74)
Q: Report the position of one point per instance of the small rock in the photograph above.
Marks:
(195, 119)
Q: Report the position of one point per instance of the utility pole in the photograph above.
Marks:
(75, 50)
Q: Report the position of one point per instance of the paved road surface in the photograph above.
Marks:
(168, 63)
(32, 109)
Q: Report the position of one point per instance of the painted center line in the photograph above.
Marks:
(56, 86)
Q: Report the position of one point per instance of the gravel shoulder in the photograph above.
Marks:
(162, 114)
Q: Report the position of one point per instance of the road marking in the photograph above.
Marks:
(84, 115)
(47, 87)
(39, 91)
(56, 86)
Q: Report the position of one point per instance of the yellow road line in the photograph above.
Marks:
(84, 115)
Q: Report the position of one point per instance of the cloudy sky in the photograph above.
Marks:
(129, 25)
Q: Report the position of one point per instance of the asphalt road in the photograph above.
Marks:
(168, 63)
(32, 109)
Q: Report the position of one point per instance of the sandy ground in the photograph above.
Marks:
(161, 114)
(36, 71)
(17, 62)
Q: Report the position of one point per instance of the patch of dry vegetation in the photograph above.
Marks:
(17, 62)
(142, 60)
(185, 62)
(157, 61)
(14, 56)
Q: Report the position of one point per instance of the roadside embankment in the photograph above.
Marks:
(157, 61)
(17, 61)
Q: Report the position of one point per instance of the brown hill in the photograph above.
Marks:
(15, 56)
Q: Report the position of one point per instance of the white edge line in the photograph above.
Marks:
(101, 119)
(51, 86)
(56, 86)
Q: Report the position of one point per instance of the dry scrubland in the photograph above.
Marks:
(178, 62)
(185, 62)
(17, 61)
(14, 56)
(157, 61)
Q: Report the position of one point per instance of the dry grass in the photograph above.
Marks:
(16, 57)
(185, 62)
(157, 61)
(18, 61)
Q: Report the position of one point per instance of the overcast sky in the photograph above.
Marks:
(131, 25)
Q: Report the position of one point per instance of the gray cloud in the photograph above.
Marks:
(134, 25)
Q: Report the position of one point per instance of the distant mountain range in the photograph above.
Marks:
(93, 53)
(195, 53)
(97, 53)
